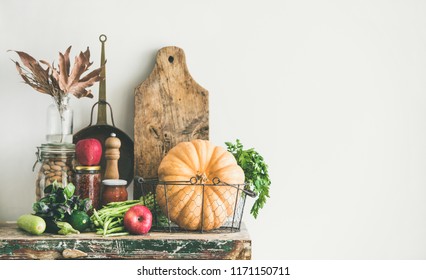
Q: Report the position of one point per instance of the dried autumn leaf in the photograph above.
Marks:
(79, 88)
(78, 68)
(27, 79)
(21, 72)
(67, 60)
(61, 81)
(62, 77)
(38, 77)
(87, 56)
(70, 82)
(46, 63)
(32, 64)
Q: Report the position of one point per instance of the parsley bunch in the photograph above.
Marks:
(255, 171)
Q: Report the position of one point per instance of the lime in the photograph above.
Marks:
(79, 220)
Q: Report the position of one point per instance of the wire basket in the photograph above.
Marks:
(191, 206)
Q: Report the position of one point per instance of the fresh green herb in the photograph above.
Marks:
(255, 171)
(58, 204)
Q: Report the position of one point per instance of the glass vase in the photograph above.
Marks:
(59, 121)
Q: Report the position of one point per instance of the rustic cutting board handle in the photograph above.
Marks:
(172, 61)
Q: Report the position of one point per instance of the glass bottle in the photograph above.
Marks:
(56, 164)
(60, 120)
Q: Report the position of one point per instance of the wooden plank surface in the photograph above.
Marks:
(170, 107)
(17, 244)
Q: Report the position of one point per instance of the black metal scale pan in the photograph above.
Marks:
(102, 130)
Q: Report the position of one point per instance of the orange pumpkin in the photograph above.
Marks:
(187, 205)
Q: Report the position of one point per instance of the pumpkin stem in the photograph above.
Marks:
(201, 177)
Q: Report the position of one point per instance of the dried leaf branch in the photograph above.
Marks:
(61, 81)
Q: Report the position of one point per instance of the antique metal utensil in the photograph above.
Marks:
(102, 130)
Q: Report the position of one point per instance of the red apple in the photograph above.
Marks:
(88, 151)
(138, 219)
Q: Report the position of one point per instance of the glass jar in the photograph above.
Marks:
(56, 164)
(88, 183)
(114, 190)
(59, 120)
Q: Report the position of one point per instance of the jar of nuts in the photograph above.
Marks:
(56, 164)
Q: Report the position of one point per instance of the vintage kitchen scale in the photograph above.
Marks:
(102, 130)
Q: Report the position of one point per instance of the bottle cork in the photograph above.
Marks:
(112, 154)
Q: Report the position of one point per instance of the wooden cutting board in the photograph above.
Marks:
(170, 107)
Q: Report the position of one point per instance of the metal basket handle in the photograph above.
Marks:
(250, 193)
(216, 181)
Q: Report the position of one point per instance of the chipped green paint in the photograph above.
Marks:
(7, 248)
(98, 249)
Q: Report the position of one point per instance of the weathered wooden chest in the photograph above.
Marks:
(17, 244)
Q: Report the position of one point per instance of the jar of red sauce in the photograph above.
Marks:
(114, 190)
(88, 183)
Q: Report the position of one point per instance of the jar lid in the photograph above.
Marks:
(50, 150)
(87, 168)
(57, 148)
(114, 182)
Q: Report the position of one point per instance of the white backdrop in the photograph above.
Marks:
(331, 93)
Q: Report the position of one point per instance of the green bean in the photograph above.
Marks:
(109, 219)
(95, 214)
(117, 234)
(116, 222)
(106, 225)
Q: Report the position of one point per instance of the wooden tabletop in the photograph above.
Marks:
(17, 244)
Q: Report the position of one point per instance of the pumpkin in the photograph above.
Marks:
(188, 205)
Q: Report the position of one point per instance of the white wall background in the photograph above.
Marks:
(332, 93)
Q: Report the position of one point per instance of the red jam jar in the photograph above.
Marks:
(114, 190)
(88, 183)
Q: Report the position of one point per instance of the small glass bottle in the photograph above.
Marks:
(114, 190)
(88, 183)
(56, 164)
